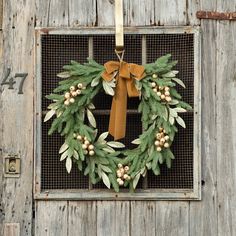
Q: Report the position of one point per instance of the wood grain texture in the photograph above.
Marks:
(82, 218)
(172, 218)
(52, 13)
(11, 229)
(199, 220)
(105, 13)
(51, 218)
(171, 12)
(82, 13)
(1, 13)
(226, 122)
(192, 7)
(139, 13)
(113, 218)
(143, 218)
(16, 132)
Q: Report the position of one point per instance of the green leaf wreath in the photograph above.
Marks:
(160, 105)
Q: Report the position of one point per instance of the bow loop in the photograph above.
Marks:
(125, 75)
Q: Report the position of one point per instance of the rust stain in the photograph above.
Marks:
(213, 15)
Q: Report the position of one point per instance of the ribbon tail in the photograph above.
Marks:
(117, 124)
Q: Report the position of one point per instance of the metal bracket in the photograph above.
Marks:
(12, 166)
(213, 15)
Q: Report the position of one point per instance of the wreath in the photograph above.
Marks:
(160, 105)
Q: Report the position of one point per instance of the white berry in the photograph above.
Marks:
(166, 145)
(126, 168)
(167, 88)
(167, 137)
(158, 149)
(67, 95)
(163, 140)
(158, 135)
(167, 93)
(126, 176)
(67, 102)
(80, 86)
(158, 94)
(157, 143)
(168, 99)
(161, 88)
(91, 153)
(72, 88)
(154, 90)
(84, 146)
(119, 175)
(120, 165)
(90, 147)
(74, 94)
(163, 96)
(121, 182)
(79, 137)
(153, 84)
(72, 100)
(118, 180)
(86, 142)
(85, 152)
(154, 76)
(78, 92)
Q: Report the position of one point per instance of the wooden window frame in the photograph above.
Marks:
(105, 194)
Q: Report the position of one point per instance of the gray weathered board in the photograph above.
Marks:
(214, 215)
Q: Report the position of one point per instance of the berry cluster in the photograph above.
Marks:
(122, 175)
(161, 140)
(87, 147)
(162, 92)
(74, 92)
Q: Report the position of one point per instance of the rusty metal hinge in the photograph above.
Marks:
(213, 15)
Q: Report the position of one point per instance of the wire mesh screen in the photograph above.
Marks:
(58, 50)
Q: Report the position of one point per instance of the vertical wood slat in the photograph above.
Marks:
(199, 220)
(11, 229)
(52, 13)
(171, 12)
(1, 13)
(226, 122)
(82, 218)
(51, 218)
(143, 218)
(82, 13)
(113, 218)
(192, 7)
(16, 128)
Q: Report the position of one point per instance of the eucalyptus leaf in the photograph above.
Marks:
(68, 164)
(49, 115)
(64, 75)
(102, 137)
(76, 155)
(180, 82)
(180, 121)
(108, 89)
(171, 120)
(91, 118)
(136, 179)
(63, 147)
(115, 144)
(179, 109)
(106, 180)
(108, 149)
(95, 81)
(136, 141)
(64, 155)
(106, 169)
(173, 112)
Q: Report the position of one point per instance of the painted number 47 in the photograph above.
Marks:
(8, 80)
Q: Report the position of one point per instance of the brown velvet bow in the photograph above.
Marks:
(125, 74)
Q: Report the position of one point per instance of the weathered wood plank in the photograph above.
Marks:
(105, 13)
(192, 7)
(113, 218)
(16, 131)
(51, 218)
(82, 12)
(52, 13)
(226, 122)
(1, 13)
(143, 218)
(172, 218)
(199, 220)
(171, 12)
(82, 218)
(11, 229)
(139, 13)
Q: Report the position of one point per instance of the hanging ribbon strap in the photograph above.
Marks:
(119, 25)
(125, 83)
